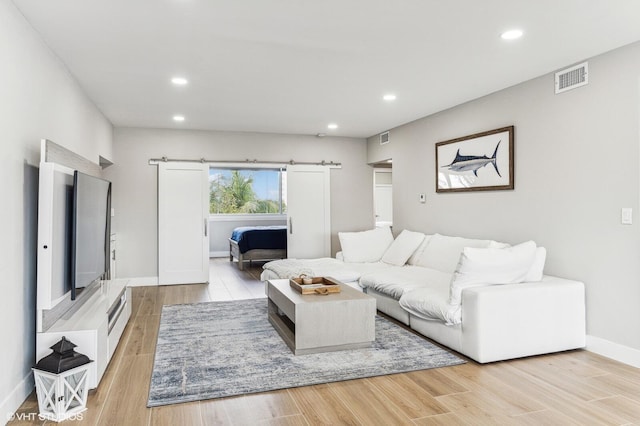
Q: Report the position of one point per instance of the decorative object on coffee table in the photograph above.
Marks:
(315, 285)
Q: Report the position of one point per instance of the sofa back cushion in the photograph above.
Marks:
(414, 259)
(403, 247)
(537, 268)
(365, 246)
(443, 252)
(489, 266)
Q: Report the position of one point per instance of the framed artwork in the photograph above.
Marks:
(480, 162)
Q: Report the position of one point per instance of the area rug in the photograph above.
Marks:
(219, 349)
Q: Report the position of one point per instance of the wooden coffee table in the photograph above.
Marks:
(321, 323)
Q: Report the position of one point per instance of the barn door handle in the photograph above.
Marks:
(205, 226)
(291, 225)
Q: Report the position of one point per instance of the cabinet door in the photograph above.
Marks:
(308, 212)
(183, 211)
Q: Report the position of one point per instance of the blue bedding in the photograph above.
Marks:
(260, 237)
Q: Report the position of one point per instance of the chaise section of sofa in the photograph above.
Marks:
(514, 320)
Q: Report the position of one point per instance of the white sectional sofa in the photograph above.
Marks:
(485, 299)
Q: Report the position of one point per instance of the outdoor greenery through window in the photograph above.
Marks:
(247, 191)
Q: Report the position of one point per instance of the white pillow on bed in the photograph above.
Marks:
(486, 266)
(403, 247)
(365, 246)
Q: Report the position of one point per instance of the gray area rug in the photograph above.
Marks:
(219, 349)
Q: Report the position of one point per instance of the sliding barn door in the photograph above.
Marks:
(308, 212)
(183, 211)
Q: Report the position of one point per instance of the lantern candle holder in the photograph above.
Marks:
(61, 382)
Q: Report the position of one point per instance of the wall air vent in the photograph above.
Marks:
(570, 78)
(384, 138)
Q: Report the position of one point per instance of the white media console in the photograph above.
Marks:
(96, 326)
(96, 319)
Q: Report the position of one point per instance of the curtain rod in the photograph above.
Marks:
(154, 161)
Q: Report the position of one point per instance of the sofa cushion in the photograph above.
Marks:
(321, 267)
(403, 247)
(443, 252)
(431, 303)
(417, 254)
(365, 246)
(395, 280)
(497, 244)
(537, 268)
(491, 266)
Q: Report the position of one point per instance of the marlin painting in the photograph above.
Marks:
(464, 163)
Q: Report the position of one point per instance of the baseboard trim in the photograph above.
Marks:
(615, 351)
(142, 281)
(219, 253)
(16, 397)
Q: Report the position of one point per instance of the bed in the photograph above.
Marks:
(248, 243)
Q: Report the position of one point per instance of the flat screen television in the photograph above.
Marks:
(90, 231)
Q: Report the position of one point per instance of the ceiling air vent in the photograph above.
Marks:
(570, 78)
(384, 138)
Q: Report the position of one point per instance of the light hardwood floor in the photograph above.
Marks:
(572, 388)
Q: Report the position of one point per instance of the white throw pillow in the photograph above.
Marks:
(537, 269)
(489, 266)
(443, 252)
(497, 244)
(403, 247)
(415, 257)
(365, 246)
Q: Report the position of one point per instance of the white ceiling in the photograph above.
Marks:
(293, 66)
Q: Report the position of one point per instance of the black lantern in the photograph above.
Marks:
(62, 358)
(61, 382)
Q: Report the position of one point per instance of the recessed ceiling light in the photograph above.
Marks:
(389, 97)
(179, 81)
(178, 118)
(332, 126)
(511, 34)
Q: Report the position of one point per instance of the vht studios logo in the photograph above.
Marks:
(32, 417)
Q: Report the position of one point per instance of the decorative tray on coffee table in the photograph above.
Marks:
(318, 285)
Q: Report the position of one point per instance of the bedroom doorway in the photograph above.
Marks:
(383, 194)
(293, 195)
(244, 196)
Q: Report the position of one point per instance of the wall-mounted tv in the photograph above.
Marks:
(90, 231)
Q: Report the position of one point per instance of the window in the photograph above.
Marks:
(247, 191)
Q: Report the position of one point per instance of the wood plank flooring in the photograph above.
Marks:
(572, 388)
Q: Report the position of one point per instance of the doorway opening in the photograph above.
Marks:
(383, 193)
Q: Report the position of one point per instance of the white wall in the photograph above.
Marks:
(576, 166)
(135, 181)
(39, 100)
